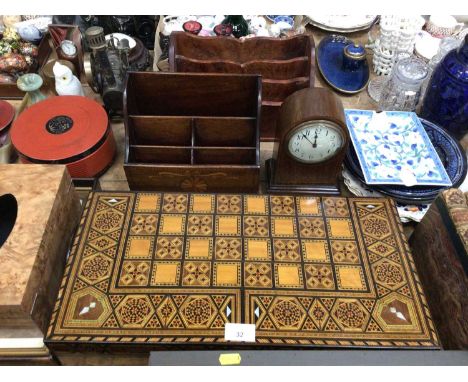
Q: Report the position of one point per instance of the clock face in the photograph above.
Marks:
(315, 141)
(68, 47)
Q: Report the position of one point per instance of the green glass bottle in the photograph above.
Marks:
(239, 25)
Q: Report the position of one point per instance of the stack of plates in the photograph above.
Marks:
(343, 23)
(450, 153)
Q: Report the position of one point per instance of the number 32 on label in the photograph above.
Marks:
(239, 332)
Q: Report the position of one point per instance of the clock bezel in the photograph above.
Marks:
(332, 124)
(70, 43)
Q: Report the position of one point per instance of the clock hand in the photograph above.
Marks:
(314, 145)
(304, 136)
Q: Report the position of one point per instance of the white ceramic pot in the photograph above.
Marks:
(441, 26)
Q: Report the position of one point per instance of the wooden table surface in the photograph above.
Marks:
(114, 178)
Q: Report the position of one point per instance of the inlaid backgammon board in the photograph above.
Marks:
(162, 269)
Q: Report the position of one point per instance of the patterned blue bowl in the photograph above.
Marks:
(451, 154)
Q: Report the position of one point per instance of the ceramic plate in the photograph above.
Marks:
(7, 113)
(450, 153)
(272, 17)
(407, 212)
(343, 23)
(393, 148)
(330, 64)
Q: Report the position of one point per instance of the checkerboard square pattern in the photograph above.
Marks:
(176, 267)
(202, 204)
(228, 225)
(165, 273)
(257, 249)
(227, 274)
(139, 247)
(253, 241)
(283, 226)
(172, 224)
(255, 205)
(288, 276)
(350, 277)
(315, 250)
(340, 228)
(199, 248)
(147, 202)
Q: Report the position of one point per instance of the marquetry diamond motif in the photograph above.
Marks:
(258, 275)
(166, 311)
(196, 273)
(319, 276)
(318, 313)
(135, 273)
(381, 249)
(102, 243)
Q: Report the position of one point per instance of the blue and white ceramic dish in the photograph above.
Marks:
(285, 22)
(343, 64)
(450, 153)
(272, 17)
(30, 33)
(393, 148)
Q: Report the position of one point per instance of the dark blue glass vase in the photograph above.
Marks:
(446, 100)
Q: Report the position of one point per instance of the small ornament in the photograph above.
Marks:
(65, 82)
(10, 20)
(13, 63)
(31, 83)
(10, 35)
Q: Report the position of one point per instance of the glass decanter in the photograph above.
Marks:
(403, 89)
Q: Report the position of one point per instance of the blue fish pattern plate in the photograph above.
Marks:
(394, 148)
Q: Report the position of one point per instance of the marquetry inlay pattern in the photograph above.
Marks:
(175, 268)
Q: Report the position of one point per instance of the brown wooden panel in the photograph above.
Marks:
(167, 115)
(231, 49)
(280, 69)
(279, 90)
(270, 112)
(185, 64)
(192, 94)
(269, 69)
(442, 275)
(225, 132)
(227, 155)
(160, 154)
(154, 130)
(212, 178)
(277, 60)
(33, 256)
